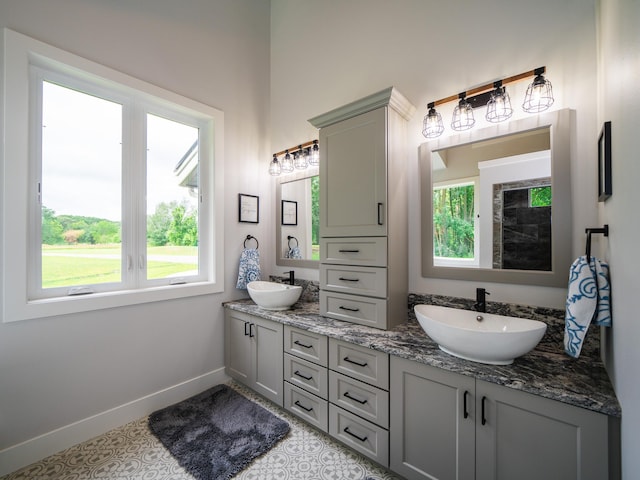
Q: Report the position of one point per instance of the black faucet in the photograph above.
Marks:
(481, 300)
(292, 279)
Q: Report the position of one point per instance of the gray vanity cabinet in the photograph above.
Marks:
(431, 436)
(253, 353)
(449, 426)
(363, 210)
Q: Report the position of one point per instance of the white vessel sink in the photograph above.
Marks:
(495, 339)
(272, 295)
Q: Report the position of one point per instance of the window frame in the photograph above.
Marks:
(22, 56)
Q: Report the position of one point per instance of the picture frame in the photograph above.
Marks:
(248, 208)
(289, 210)
(604, 163)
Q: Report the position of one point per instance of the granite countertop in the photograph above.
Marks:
(544, 372)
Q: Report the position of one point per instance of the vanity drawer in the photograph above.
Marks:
(364, 251)
(307, 406)
(358, 362)
(367, 401)
(365, 437)
(368, 311)
(305, 374)
(370, 281)
(305, 344)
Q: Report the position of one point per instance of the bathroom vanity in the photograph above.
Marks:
(395, 397)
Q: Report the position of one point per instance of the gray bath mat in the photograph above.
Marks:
(217, 433)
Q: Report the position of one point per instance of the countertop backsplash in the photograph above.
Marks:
(552, 341)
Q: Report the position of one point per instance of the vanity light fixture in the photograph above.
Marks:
(463, 118)
(432, 125)
(499, 104)
(274, 168)
(539, 94)
(304, 155)
(314, 158)
(300, 158)
(287, 163)
(538, 98)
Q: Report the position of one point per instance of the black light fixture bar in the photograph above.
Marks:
(297, 148)
(479, 96)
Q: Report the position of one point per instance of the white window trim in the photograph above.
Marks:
(19, 51)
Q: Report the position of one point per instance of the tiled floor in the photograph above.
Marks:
(131, 452)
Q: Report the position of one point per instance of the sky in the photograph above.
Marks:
(82, 155)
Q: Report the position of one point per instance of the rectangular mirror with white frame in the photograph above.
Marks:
(496, 203)
(297, 219)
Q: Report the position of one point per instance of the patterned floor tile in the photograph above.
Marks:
(131, 452)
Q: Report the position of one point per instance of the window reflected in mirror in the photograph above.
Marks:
(298, 221)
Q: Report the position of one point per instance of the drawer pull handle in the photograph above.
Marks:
(298, 404)
(380, 210)
(346, 250)
(246, 333)
(251, 330)
(349, 309)
(297, 373)
(349, 279)
(362, 439)
(303, 345)
(351, 397)
(347, 359)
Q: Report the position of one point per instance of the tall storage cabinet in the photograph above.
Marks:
(363, 212)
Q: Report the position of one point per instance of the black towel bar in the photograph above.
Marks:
(604, 230)
(251, 237)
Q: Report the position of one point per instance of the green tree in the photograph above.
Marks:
(52, 229)
(315, 210)
(158, 224)
(183, 230)
(453, 222)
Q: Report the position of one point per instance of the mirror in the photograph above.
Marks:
(297, 220)
(496, 203)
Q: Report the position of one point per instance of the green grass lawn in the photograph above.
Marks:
(78, 266)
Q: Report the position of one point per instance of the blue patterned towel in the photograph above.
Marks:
(588, 299)
(294, 252)
(249, 269)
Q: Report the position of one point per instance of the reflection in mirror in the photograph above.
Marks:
(297, 220)
(488, 198)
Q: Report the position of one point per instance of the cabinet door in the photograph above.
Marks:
(432, 435)
(529, 437)
(237, 346)
(268, 358)
(353, 171)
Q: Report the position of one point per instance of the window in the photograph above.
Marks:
(455, 229)
(121, 181)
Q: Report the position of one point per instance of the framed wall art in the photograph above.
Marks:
(604, 163)
(289, 212)
(248, 208)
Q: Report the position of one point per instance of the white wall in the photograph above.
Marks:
(61, 370)
(619, 75)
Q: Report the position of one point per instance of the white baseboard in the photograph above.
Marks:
(37, 448)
